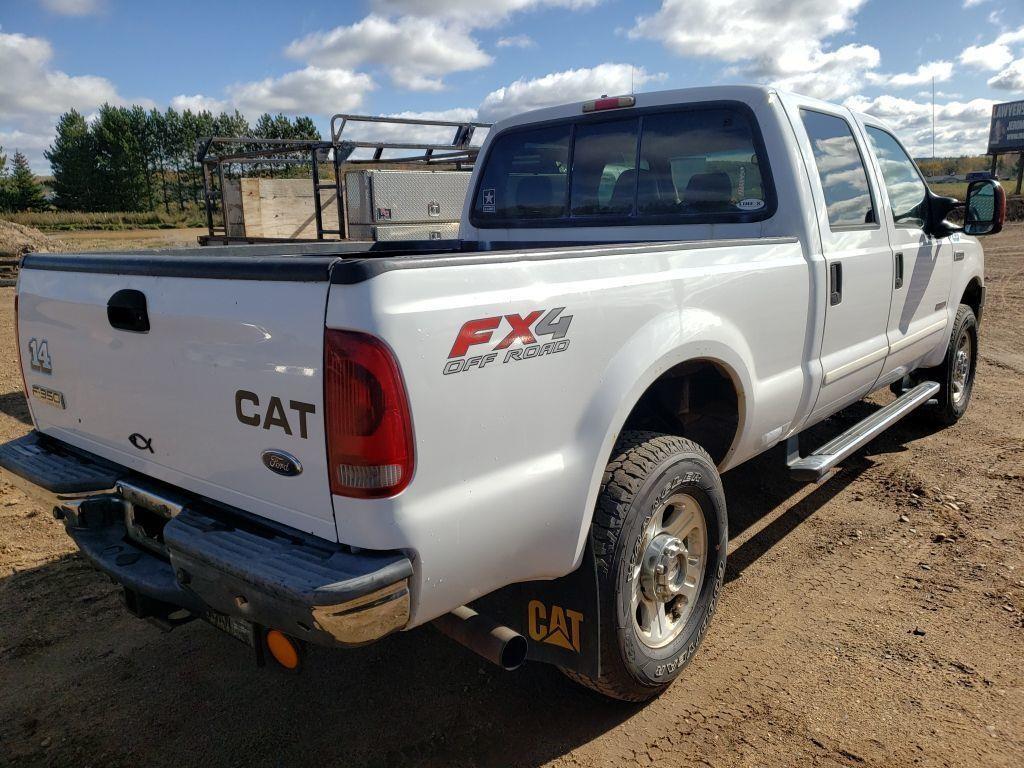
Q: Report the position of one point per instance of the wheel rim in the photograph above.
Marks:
(667, 578)
(962, 367)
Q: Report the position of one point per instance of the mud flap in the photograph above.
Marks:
(560, 618)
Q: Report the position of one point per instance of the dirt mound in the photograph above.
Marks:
(16, 239)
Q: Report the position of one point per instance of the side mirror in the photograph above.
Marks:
(985, 208)
(937, 209)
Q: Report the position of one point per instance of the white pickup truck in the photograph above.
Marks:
(323, 444)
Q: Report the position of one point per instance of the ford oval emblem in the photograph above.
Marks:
(282, 463)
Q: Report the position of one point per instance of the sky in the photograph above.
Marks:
(486, 59)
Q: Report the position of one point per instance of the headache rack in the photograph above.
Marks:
(218, 154)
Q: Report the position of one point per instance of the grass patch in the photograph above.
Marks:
(71, 221)
(959, 189)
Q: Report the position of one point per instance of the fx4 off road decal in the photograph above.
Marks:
(519, 337)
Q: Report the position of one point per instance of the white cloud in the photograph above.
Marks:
(73, 7)
(197, 102)
(30, 87)
(826, 74)
(516, 41)
(416, 53)
(312, 90)
(939, 70)
(994, 55)
(474, 13)
(778, 41)
(746, 30)
(1010, 79)
(33, 94)
(991, 56)
(960, 127)
(318, 90)
(563, 87)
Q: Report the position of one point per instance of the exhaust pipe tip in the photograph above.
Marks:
(513, 655)
(493, 641)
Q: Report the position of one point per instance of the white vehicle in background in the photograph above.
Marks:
(328, 443)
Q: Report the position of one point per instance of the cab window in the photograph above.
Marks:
(844, 179)
(685, 165)
(526, 175)
(908, 194)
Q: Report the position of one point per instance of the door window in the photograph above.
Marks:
(844, 179)
(908, 194)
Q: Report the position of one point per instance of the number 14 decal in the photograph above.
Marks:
(39, 356)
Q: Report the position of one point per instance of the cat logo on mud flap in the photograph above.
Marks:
(559, 626)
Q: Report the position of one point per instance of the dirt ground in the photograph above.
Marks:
(875, 620)
(97, 240)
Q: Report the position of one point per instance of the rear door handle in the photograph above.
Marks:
(899, 271)
(835, 279)
(126, 311)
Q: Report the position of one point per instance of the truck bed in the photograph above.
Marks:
(346, 262)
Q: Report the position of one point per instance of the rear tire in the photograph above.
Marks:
(956, 373)
(660, 537)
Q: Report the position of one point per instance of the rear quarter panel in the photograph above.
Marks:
(509, 455)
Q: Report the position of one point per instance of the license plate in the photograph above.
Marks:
(240, 629)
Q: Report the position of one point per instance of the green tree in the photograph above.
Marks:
(25, 193)
(305, 128)
(73, 162)
(121, 176)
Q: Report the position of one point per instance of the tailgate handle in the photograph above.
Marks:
(126, 311)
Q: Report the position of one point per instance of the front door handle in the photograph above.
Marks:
(835, 278)
(899, 271)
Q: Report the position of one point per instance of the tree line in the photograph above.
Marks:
(133, 159)
(19, 189)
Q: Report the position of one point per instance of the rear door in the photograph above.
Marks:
(857, 253)
(922, 264)
(227, 370)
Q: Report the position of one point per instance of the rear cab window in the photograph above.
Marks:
(692, 165)
(841, 170)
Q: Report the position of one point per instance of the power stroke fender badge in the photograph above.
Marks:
(282, 463)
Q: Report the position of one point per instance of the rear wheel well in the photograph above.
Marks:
(972, 296)
(697, 400)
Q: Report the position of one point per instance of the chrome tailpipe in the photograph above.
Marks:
(495, 642)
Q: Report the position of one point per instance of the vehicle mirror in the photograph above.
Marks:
(985, 207)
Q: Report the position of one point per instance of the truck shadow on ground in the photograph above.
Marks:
(193, 697)
(15, 406)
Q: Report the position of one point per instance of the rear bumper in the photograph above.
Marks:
(173, 550)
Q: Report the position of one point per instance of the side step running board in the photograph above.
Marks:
(814, 467)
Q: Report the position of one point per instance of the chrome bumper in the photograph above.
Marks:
(172, 551)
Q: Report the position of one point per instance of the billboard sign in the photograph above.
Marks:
(1007, 131)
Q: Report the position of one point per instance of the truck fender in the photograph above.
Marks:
(661, 344)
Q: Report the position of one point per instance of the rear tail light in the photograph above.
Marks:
(369, 428)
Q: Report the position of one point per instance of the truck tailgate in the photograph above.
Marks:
(228, 370)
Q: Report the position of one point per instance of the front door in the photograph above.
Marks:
(922, 264)
(858, 257)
